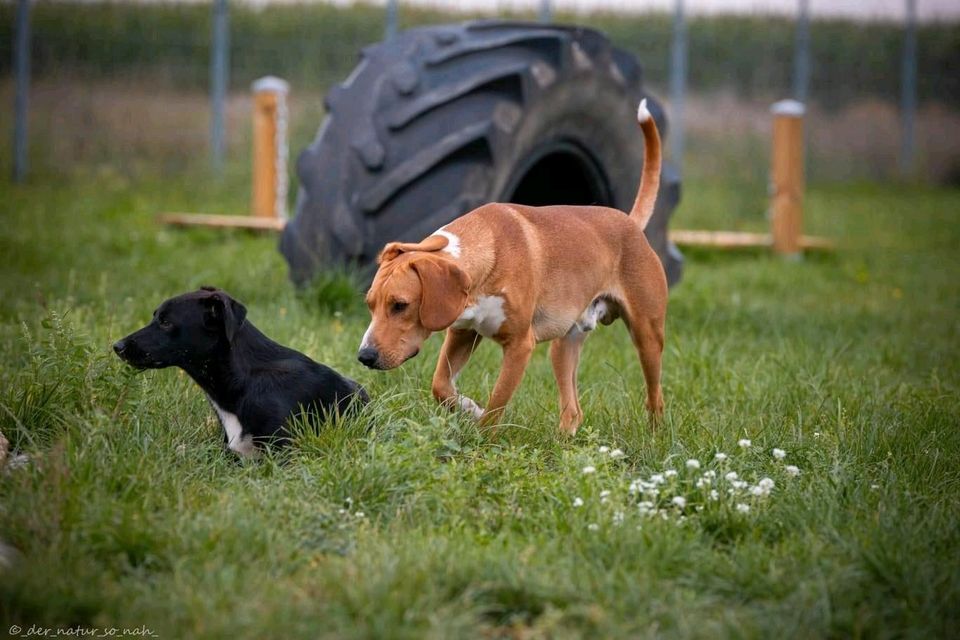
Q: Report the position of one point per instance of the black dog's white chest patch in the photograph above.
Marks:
(236, 440)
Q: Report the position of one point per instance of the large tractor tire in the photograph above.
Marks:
(442, 119)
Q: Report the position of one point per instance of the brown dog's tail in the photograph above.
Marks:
(650, 180)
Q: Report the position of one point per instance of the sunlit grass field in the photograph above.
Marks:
(410, 523)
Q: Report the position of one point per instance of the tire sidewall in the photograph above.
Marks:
(591, 112)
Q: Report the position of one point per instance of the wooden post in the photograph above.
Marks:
(270, 147)
(786, 174)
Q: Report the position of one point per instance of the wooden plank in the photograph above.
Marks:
(721, 239)
(741, 239)
(255, 223)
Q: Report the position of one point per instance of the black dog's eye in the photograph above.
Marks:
(164, 323)
(398, 307)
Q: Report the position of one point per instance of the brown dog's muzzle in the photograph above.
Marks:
(371, 358)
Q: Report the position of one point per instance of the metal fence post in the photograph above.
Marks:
(678, 82)
(546, 11)
(801, 53)
(393, 17)
(219, 70)
(908, 89)
(22, 71)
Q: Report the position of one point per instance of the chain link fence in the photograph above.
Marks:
(130, 85)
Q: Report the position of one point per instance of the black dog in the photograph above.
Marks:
(254, 384)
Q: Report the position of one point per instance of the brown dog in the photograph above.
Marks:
(521, 275)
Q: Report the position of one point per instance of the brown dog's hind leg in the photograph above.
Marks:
(516, 356)
(648, 336)
(565, 356)
(458, 346)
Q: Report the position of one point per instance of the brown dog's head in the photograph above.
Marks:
(417, 290)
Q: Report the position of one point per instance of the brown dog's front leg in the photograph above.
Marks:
(458, 346)
(516, 355)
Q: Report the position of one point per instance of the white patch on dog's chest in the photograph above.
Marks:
(236, 441)
(486, 316)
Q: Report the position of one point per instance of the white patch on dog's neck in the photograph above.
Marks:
(453, 242)
(236, 441)
(485, 316)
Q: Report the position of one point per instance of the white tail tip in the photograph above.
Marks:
(643, 114)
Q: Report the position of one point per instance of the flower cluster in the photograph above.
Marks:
(696, 486)
(346, 511)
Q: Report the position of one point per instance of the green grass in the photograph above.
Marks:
(131, 514)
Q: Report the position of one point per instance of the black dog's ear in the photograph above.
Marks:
(222, 309)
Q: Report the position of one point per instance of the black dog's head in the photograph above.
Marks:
(185, 330)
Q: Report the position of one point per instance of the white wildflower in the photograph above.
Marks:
(703, 483)
(617, 454)
(679, 501)
(589, 469)
(670, 473)
(604, 495)
(714, 495)
(743, 508)
(720, 457)
(618, 517)
(792, 470)
(744, 443)
(816, 434)
(593, 526)
(578, 502)
(874, 486)
(739, 484)
(360, 514)
(657, 478)
(779, 454)
(645, 506)
(766, 484)
(731, 476)
(757, 491)
(693, 464)
(604, 449)
(709, 474)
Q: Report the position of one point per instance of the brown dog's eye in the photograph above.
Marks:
(398, 307)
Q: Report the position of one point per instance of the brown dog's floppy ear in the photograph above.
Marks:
(226, 310)
(444, 288)
(394, 249)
